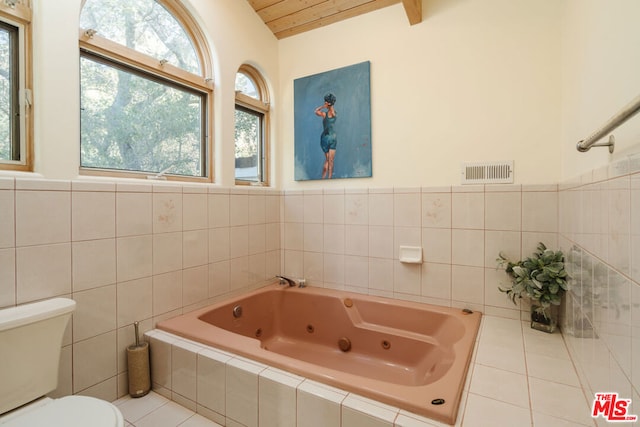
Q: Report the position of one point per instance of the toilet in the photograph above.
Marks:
(30, 342)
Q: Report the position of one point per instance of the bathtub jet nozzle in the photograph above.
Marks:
(345, 344)
(237, 311)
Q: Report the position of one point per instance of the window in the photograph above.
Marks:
(15, 93)
(144, 95)
(251, 130)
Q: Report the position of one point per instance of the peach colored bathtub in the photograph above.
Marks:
(404, 354)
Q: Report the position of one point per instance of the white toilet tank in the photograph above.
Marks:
(30, 342)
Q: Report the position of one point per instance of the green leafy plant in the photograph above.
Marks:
(540, 277)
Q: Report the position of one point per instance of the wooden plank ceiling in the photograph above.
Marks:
(289, 17)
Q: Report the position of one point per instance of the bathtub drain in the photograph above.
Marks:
(437, 401)
(258, 332)
(386, 344)
(310, 329)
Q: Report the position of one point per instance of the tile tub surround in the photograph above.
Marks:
(509, 384)
(401, 353)
(350, 238)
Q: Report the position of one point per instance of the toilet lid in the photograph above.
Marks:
(70, 411)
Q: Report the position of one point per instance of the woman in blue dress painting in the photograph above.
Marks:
(328, 139)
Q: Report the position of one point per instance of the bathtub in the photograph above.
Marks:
(409, 355)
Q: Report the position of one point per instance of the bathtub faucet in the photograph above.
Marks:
(286, 280)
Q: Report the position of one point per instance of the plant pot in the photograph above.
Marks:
(545, 322)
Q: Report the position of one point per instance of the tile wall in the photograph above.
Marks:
(350, 239)
(142, 251)
(129, 252)
(600, 233)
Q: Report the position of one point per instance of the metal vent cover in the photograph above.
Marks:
(487, 172)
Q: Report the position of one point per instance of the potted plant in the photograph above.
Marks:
(542, 279)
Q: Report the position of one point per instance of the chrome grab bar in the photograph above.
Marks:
(625, 114)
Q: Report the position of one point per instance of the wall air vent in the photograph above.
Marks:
(487, 173)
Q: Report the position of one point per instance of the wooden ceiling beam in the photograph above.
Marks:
(413, 8)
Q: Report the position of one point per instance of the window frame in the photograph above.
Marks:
(260, 107)
(19, 15)
(122, 57)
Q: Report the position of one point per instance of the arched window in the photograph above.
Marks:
(145, 95)
(252, 127)
(16, 124)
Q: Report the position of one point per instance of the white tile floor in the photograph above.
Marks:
(519, 377)
(154, 410)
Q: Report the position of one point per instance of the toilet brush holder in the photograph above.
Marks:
(138, 367)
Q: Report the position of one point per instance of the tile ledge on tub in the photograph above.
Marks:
(247, 365)
(187, 345)
(282, 377)
(324, 391)
(371, 407)
(159, 335)
(215, 354)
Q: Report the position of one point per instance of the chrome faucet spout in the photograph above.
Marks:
(285, 280)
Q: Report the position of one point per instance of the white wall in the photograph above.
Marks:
(236, 35)
(476, 80)
(600, 68)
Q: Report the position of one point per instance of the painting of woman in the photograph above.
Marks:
(328, 138)
(349, 85)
